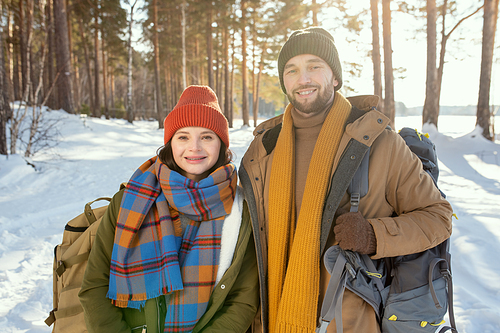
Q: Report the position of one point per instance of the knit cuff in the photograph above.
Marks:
(371, 244)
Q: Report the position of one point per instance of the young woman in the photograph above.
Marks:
(174, 251)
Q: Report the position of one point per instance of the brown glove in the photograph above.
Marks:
(355, 233)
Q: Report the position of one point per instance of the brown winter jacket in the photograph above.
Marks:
(397, 186)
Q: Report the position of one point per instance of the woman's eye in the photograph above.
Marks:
(207, 137)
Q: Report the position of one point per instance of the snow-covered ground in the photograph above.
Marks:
(95, 155)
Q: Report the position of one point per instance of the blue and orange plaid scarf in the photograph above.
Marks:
(150, 258)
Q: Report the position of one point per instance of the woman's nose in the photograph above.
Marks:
(195, 145)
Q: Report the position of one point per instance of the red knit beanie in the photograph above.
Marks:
(198, 106)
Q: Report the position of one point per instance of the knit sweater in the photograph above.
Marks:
(306, 134)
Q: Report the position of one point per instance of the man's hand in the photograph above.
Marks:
(354, 232)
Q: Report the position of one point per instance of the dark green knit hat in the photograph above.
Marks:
(313, 40)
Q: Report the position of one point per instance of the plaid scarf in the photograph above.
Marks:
(150, 259)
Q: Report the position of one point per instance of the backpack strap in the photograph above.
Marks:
(63, 313)
(449, 284)
(358, 187)
(350, 161)
(332, 302)
(446, 273)
(359, 183)
(62, 265)
(89, 214)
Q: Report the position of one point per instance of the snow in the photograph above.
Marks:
(95, 155)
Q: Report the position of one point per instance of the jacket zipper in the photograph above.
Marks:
(138, 327)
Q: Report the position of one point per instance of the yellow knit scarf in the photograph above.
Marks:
(293, 290)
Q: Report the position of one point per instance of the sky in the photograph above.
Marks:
(95, 155)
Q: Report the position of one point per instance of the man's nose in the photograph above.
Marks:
(304, 77)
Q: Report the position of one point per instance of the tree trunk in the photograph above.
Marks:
(377, 70)
(170, 86)
(257, 97)
(29, 27)
(254, 74)
(22, 46)
(389, 108)
(130, 110)
(483, 117)
(244, 98)
(3, 129)
(143, 94)
(431, 104)
(28, 84)
(210, 66)
(227, 97)
(4, 102)
(16, 55)
(314, 10)
(159, 103)
(64, 83)
(6, 92)
(112, 87)
(183, 35)
(37, 108)
(87, 65)
(75, 89)
(51, 102)
(3, 124)
(97, 92)
(231, 109)
(257, 88)
(8, 58)
(104, 78)
(218, 69)
(195, 75)
(442, 51)
(16, 73)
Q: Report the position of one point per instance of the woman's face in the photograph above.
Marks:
(195, 150)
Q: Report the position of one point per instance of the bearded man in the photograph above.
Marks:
(289, 172)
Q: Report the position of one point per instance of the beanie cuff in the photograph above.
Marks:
(196, 116)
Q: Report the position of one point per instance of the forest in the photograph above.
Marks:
(79, 56)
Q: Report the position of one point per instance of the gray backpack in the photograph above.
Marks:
(410, 293)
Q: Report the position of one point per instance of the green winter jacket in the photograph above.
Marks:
(231, 308)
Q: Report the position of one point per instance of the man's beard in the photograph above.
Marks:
(318, 104)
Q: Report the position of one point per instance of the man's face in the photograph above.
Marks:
(309, 83)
